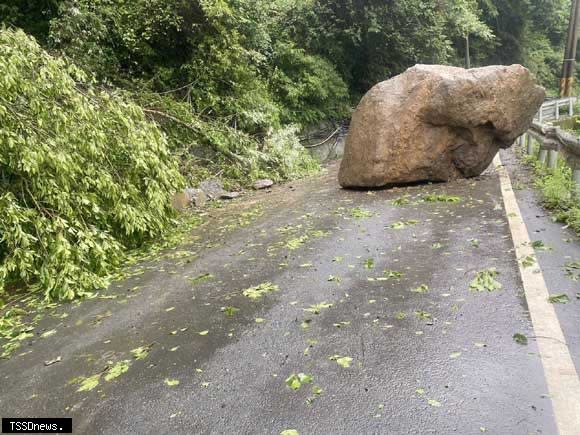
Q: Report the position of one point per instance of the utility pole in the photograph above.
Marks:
(567, 80)
(467, 54)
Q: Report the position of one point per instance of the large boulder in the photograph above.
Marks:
(437, 123)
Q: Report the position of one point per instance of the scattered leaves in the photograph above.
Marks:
(441, 198)
(295, 381)
(141, 352)
(260, 290)
(88, 384)
(485, 281)
(360, 213)
(117, 370)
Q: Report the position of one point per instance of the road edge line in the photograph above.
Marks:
(559, 370)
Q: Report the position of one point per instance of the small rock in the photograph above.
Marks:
(230, 195)
(197, 197)
(213, 188)
(263, 184)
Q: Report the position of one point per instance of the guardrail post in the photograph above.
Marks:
(530, 148)
(541, 115)
(552, 159)
(570, 107)
(557, 109)
(543, 156)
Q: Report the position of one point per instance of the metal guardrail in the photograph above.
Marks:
(555, 109)
(554, 142)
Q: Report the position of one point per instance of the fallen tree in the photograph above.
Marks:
(84, 175)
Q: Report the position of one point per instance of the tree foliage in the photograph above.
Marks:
(83, 174)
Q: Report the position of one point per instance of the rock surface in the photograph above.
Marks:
(213, 188)
(437, 123)
(263, 184)
(197, 197)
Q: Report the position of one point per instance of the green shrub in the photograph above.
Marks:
(556, 187)
(206, 147)
(83, 174)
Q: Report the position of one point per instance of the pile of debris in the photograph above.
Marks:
(210, 190)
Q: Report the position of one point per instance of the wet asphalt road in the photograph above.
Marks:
(441, 361)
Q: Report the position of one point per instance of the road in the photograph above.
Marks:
(366, 300)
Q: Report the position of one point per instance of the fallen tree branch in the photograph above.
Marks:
(325, 140)
(192, 128)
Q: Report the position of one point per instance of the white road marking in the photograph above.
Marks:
(559, 370)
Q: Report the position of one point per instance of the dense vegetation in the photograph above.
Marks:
(138, 98)
(558, 191)
(83, 176)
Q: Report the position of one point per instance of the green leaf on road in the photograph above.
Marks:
(423, 315)
(317, 308)
(485, 280)
(441, 198)
(230, 311)
(387, 273)
(360, 213)
(117, 370)
(401, 201)
(141, 352)
(423, 288)
(559, 299)
(520, 339)
(528, 261)
(343, 361)
(201, 278)
(296, 243)
(171, 382)
(573, 270)
(316, 390)
(538, 245)
(87, 384)
(295, 381)
(48, 333)
(260, 290)
(289, 432)
(434, 403)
